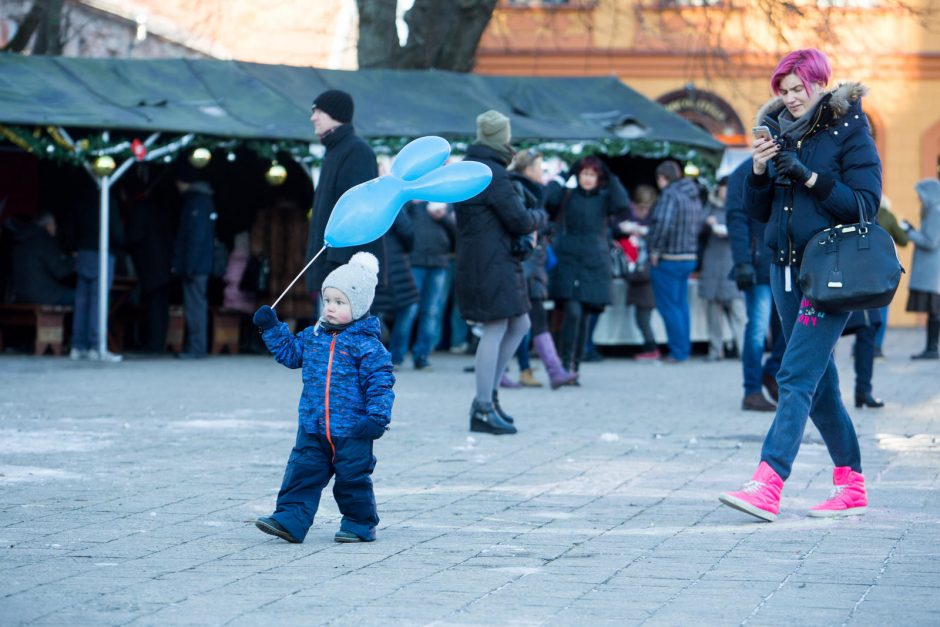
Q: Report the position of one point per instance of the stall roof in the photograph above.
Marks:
(250, 100)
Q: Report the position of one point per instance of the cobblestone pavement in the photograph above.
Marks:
(128, 491)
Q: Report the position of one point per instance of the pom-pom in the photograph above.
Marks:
(366, 261)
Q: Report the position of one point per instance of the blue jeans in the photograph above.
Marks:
(809, 383)
(309, 469)
(432, 283)
(760, 316)
(196, 313)
(670, 281)
(459, 329)
(401, 332)
(85, 313)
(522, 353)
(880, 335)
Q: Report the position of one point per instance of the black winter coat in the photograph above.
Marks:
(532, 196)
(193, 253)
(400, 290)
(581, 240)
(39, 268)
(490, 282)
(348, 162)
(434, 239)
(840, 149)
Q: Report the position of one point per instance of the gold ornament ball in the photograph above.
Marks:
(200, 157)
(103, 165)
(691, 170)
(276, 174)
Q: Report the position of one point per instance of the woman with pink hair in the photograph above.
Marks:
(818, 168)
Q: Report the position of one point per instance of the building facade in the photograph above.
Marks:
(710, 61)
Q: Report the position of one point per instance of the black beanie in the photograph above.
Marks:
(337, 104)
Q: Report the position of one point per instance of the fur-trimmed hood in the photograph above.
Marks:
(841, 99)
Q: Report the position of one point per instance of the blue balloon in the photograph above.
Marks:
(365, 212)
(420, 157)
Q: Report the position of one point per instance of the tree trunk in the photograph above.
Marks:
(50, 38)
(378, 37)
(442, 34)
(44, 17)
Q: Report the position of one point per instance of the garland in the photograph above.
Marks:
(50, 143)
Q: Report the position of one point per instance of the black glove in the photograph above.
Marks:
(265, 318)
(368, 428)
(745, 277)
(790, 166)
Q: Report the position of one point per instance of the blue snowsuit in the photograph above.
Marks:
(346, 402)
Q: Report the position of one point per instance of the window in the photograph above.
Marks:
(668, 4)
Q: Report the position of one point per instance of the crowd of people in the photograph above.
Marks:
(500, 257)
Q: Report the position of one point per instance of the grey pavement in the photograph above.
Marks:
(128, 491)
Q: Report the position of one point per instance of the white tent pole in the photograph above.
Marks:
(105, 210)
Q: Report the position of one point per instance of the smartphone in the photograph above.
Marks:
(761, 131)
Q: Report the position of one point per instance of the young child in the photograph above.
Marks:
(346, 403)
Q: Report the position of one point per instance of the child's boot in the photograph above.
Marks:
(348, 536)
(848, 497)
(760, 496)
(483, 418)
(274, 528)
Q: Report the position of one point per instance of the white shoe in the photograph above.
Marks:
(106, 356)
(78, 353)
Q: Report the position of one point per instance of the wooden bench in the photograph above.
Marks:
(47, 320)
(226, 330)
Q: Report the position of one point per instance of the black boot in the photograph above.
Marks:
(499, 410)
(933, 333)
(867, 400)
(483, 418)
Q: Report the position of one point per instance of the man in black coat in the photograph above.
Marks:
(751, 273)
(193, 257)
(348, 162)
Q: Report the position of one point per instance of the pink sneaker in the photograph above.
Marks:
(847, 498)
(760, 496)
(649, 355)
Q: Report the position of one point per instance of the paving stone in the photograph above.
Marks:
(135, 506)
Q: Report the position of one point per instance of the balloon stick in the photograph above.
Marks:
(309, 263)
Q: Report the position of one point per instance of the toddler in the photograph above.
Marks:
(346, 403)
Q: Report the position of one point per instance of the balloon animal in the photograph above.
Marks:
(365, 212)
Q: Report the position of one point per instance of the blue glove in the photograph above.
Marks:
(790, 166)
(265, 318)
(368, 428)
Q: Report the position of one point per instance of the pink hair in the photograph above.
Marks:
(810, 65)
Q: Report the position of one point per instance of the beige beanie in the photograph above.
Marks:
(493, 129)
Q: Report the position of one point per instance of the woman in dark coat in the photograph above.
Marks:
(525, 173)
(819, 169)
(491, 286)
(581, 282)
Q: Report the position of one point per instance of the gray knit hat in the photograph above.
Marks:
(357, 280)
(493, 129)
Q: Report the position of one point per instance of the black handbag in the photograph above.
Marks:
(849, 267)
(619, 264)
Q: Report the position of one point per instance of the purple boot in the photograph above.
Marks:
(557, 375)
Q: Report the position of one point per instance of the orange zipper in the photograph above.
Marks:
(329, 371)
